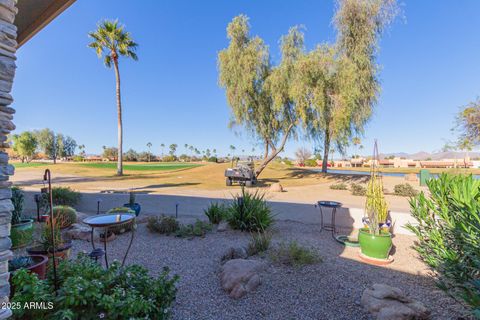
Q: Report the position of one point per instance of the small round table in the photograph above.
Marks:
(109, 220)
(332, 205)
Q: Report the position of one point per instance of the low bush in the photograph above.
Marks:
(198, 229)
(88, 291)
(259, 243)
(293, 254)
(339, 186)
(67, 215)
(162, 224)
(213, 159)
(78, 159)
(405, 190)
(448, 233)
(310, 163)
(65, 196)
(288, 162)
(250, 212)
(169, 158)
(358, 189)
(216, 212)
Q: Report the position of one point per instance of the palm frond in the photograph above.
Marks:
(111, 39)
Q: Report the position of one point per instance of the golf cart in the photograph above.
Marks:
(241, 172)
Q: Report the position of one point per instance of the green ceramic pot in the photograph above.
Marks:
(375, 246)
(21, 233)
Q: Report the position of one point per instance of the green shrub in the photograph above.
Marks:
(404, 190)
(67, 215)
(216, 212)
(18, 199)
(213, 159)
(250, 212)
(169, 158)
(78, 158)
(65, 196)
(61, 196)
(448, 233)
(311, 163)
(162, 224)
(288, 162)
(339, 186)
(293, 254)
(259, 243)
(88, 291)
(198, 229)
(358, 189)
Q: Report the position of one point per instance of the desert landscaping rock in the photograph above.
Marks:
(223, 226)
(235, 253)
(390, 303)
(240, 276)
(79, 232)
(276, 187)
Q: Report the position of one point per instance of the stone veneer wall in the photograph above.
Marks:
(8, 45)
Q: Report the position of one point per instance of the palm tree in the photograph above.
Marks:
(149, 146)
(111, 41)
(163, 147)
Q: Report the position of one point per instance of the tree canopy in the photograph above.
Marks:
(257, 92)
(329, 92)
(25, 145)
(468, 124)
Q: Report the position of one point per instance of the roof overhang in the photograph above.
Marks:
(34, 15)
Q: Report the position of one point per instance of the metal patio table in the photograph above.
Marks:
(106, 221)
(332, 205)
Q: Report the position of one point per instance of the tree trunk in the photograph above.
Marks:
(274, 152)
(120, 128)
(326, 150)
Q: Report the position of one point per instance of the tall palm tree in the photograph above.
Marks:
(111, 41)
(149, 146)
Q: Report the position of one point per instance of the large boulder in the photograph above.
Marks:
(389, 303)
(240, 276)
(276, 187)
(79, 231)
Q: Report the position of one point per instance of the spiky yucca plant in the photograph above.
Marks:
(376, 206)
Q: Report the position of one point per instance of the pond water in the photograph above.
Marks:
(387, 174)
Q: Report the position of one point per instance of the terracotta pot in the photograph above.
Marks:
(62, 252)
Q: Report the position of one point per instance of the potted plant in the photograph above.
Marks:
(132, 204)
(375, 239)
(21, 232)
(45, 247)
(34, 263)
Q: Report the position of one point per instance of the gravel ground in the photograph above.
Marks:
(327, 290)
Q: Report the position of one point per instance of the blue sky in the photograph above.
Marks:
(430, 67)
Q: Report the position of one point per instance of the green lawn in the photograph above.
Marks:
(141, 166)
(29, 164)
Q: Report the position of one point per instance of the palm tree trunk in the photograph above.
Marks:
(120, 127)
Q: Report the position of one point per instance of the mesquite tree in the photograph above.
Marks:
(336, 86)
(257, 92)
